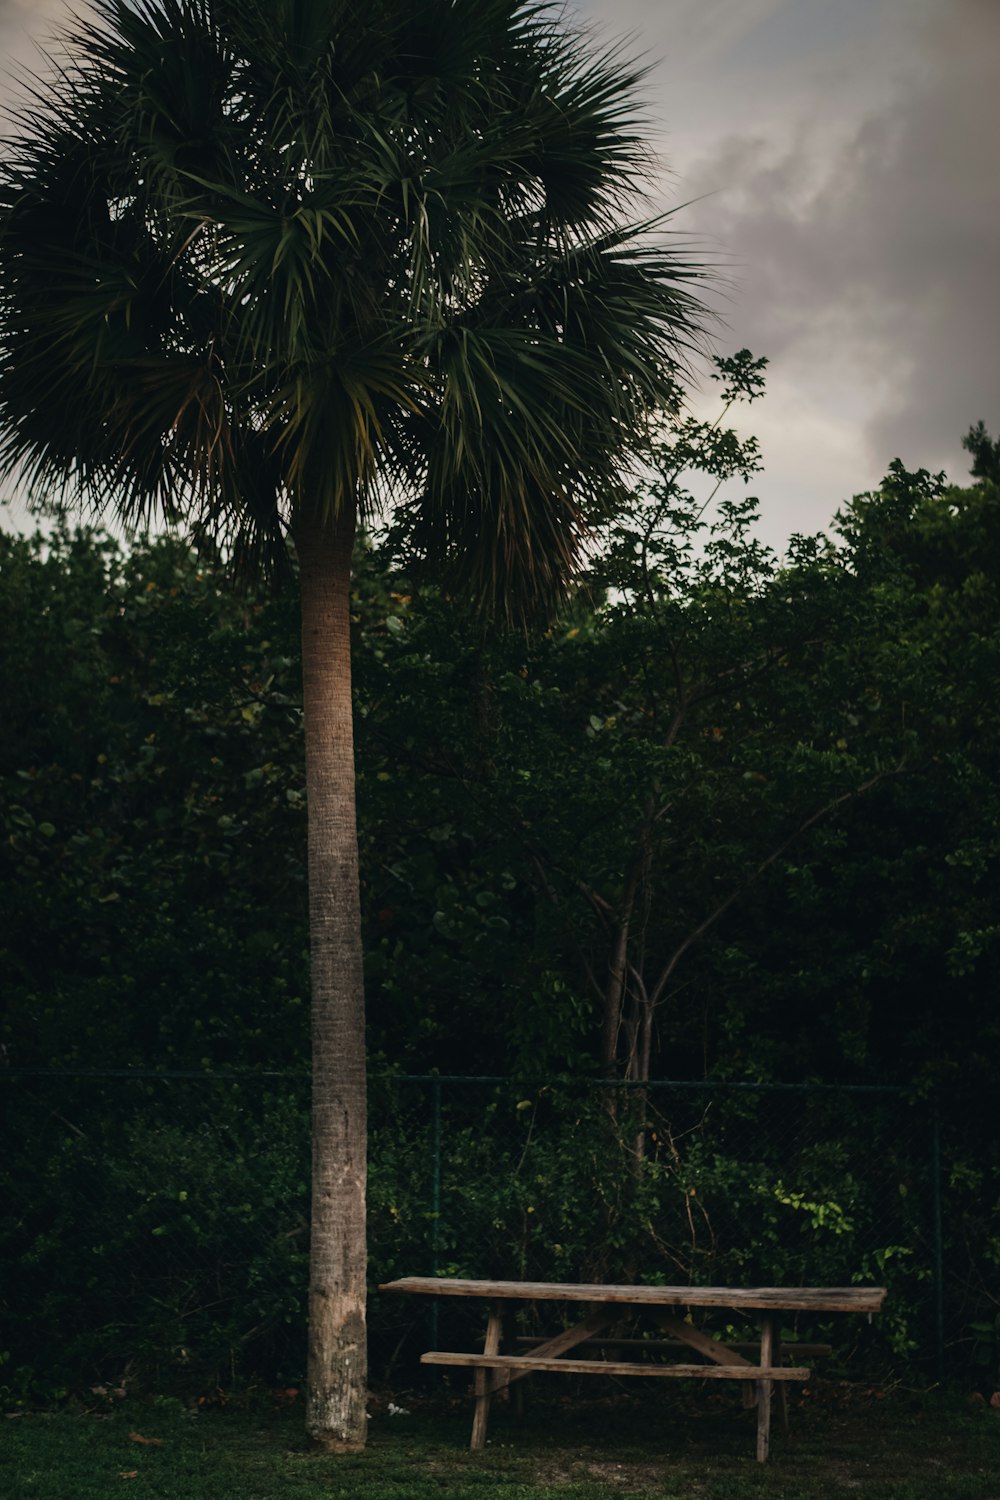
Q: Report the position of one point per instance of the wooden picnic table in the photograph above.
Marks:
(496, 1371)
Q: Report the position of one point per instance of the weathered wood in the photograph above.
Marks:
(778, 1358)
(568, 1339)
(485, 1379)
(760, 1382)
(848, 1299)
(528, 1363)
(657, 1346)
(723, 1354)
(764, 1388)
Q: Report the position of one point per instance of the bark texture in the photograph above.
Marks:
(337, 1371)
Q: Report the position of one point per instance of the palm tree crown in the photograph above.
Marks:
(265, 254)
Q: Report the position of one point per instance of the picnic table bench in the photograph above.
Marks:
(605, 1305)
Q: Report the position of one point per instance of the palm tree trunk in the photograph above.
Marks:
(337, 1370)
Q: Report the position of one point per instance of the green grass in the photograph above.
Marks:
(843, 1442)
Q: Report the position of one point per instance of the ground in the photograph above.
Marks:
(869, 1442)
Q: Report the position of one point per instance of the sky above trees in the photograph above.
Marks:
(843, 159)
(849, 151)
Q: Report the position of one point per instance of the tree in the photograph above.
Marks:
(661, 812)
(152, 748)
(985, 453)
(665, 756)
(268, 264)
(152, 742)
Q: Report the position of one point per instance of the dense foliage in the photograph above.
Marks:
(764, 790)
(732, 817)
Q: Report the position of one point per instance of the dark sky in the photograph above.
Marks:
(851, 149)
(846, 155)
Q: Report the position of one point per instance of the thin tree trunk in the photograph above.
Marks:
(337, 1370)
(614, 994)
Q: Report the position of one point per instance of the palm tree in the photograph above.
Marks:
(269, 265)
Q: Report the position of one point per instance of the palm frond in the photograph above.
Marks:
(263, 254)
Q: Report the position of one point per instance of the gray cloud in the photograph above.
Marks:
(871, 242)
(31, 41)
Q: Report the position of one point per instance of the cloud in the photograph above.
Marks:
(29, 31)
(868, 244)
(693, 30)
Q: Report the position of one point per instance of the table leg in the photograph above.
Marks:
(485, 1379)
(782, 1391)
(764, 1388)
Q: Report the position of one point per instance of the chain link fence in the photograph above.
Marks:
(157, 1225)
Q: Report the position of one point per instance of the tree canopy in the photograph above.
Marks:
(153, 744)
(773, 777)
(266, 266)
(265, 255)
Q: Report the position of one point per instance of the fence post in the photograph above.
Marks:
(938, 1240)
(435, 1201)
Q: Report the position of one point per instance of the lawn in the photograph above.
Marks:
(862, 1442)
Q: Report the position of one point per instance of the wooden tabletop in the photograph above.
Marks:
(849, 1299)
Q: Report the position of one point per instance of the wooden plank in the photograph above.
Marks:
(657, 1346)
(778, 1358)
(528, 1363)
(849, 1299)
(764, 1389)
(485, 1379)
(569, 1338)
(723, 1354)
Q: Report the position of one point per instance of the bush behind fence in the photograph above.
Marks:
(157, 1225)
